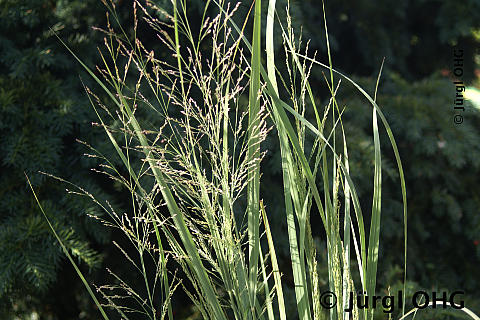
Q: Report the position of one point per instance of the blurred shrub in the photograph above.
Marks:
(416, 37)
(441, 162)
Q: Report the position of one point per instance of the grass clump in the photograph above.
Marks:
(193, 169)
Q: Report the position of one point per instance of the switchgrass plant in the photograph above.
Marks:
(194, 170)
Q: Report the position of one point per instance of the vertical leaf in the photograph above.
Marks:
(253, 187)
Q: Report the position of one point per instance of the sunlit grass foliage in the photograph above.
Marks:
(195, 179)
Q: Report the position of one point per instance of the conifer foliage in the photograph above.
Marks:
(42, 111)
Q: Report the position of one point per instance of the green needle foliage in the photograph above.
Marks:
(195, 192)
(42, 111)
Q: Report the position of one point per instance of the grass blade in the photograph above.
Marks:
(77, 270)
(373, 241)
(253, 186)
(276, 271)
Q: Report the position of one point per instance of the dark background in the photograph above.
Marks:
(44, 109)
